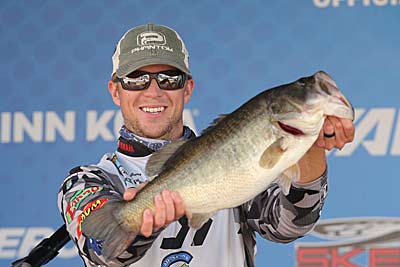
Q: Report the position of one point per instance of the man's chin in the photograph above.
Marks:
(165, 131)
(155, 134)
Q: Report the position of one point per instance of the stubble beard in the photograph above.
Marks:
(162, 132)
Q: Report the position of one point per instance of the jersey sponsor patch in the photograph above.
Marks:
(181, 256)
(87, 210)
(77, 199)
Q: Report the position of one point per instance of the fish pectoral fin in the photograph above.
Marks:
(197, 220)
(285, 179)
(158, 159)
(272, 155)
(103, 224)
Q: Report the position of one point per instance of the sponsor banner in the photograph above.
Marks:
(353, 242)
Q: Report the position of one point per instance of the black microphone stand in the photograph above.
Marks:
(46, 250)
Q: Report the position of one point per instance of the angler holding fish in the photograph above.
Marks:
(195, 211)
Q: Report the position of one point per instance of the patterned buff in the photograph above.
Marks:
(153, 144)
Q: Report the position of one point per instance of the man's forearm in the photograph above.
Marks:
(312, 165)
(283, 218)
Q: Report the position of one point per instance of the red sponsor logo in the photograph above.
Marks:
(125, 146)
(333, 257)
(354, 242)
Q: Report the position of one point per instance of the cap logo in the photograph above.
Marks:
(151, 38)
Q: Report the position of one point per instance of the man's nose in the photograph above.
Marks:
(153, 90)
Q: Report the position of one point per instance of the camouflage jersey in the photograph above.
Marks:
(226, 239)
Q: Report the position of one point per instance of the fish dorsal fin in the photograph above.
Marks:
(272, 154)
(156, 163)
(214, 122)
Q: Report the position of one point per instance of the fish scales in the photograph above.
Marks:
(202, 191)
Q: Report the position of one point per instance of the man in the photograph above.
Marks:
(151, 82)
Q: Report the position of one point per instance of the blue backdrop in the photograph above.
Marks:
(56, 113)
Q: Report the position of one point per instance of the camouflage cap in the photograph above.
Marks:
(147, 45)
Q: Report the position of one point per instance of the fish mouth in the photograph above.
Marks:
(328, 86)
(290, 129)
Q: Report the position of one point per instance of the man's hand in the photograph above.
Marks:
(169, 208)
(336, 132)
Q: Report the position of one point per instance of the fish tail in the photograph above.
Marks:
(107, 225)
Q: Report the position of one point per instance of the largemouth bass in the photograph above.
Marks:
(231, 162)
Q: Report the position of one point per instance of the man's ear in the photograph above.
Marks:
(113, 89)
(188, 90)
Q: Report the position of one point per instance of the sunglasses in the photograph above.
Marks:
(166, 80)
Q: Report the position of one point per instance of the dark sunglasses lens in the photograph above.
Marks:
(171, 82)
(139, 82)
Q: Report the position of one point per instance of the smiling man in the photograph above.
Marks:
(153, 112)
(151, 82)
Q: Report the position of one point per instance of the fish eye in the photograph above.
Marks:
(306, 80)
(302, 81)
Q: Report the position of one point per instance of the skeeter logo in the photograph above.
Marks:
(377, 239)
(87, 210)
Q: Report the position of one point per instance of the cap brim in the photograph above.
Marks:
(124, 70)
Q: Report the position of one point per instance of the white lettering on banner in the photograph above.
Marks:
(381, 121)
(22, 125)
(97, 125)
(395, 151)
(352, 3)
(53, 123)
(5, 136)
(31, 238)
(105, 132)
(16, 126)
(17, 242)
(118, 122)
(9, 241)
